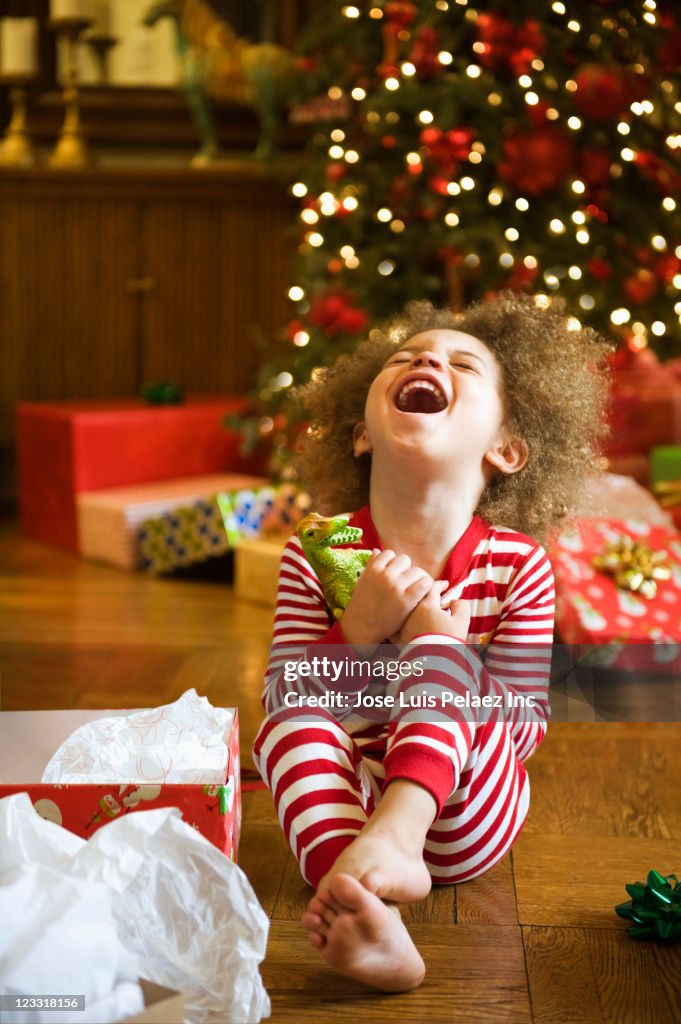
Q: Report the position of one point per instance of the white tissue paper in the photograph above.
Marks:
(186, 913)
(182, 742)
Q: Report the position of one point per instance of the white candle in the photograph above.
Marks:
(60, 9)
(18, 50)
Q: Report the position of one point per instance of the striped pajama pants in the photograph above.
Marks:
(326, 783)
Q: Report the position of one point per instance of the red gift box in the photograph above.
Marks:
(65, 448)
(592, 609)
(29, 738)
(644, 406)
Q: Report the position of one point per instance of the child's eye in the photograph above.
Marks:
(462, 366)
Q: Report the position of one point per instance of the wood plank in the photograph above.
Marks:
(614, 783)
(263, 853)
(628, 980)
(490, 899)
(460, 986)
(294, 894)
(562, 986)
(668, 965)
(439, 907)
(577, 881)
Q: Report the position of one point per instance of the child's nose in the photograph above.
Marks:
(427, 359)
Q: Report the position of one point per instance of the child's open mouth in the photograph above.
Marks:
(420, 396)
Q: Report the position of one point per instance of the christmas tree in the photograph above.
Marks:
(459, 149)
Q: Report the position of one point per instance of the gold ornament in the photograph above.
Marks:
(634, 565)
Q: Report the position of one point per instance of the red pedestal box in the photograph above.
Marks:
(65, 448)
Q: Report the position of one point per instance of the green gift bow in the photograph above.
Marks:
(654, 908)
(162, 392)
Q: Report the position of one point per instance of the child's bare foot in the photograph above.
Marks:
(387, 863)
(361, 937)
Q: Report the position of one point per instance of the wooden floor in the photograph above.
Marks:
(534, 940)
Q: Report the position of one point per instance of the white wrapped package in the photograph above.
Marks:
(187, 913)
(182, 742)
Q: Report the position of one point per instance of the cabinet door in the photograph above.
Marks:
(68, 327)
(218, 275)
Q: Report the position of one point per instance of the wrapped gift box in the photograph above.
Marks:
(109, 520)
(256, 568)
(289, 507)
(65, 448)
(592, 609)
(29, 738)
(161, 1005)
(644, 407)
(665, 464)
(205, 529)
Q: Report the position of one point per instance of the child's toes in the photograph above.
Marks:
(313, 922)
(317, 940)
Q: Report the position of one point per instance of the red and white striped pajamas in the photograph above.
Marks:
(326, 778)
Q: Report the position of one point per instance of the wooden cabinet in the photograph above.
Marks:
(114, 277)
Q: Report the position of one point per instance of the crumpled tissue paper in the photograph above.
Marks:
(186, 913)
(185, 741)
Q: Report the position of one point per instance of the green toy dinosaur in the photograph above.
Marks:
(338, 570)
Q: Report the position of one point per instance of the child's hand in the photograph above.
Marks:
(430, 617)
(388, 590)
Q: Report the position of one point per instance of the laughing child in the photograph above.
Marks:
(458, 440)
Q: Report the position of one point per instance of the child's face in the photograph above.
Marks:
(439, 396)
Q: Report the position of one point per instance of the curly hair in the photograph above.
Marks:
(553, 392)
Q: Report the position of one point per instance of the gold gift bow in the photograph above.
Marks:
(635, 566)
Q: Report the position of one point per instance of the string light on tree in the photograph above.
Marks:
(469, 149)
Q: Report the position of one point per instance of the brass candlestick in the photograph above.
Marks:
(71, 149)
(16, 149)
(101, 46)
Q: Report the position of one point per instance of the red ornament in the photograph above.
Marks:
(603, 90)
(667, 267)
(640, 286)
(599, 269)
(334, 266)
(667, 180)
(450, 256)
(521, 277)
(388, 141)
(430, 137)
(447, 149)
(593, 166)
(508, 47)
(423, 54)
(530, 42)
(336, 171)
(335, 314)
(387, 70)
(309, 64)
(400, 13)
(536, 162)
(537, 113)
(669, 54)
(400, 192)
(292, 328)
(438, 185)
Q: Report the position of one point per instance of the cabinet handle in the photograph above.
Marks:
(137, 285)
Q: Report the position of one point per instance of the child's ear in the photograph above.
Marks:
(361, 443)
(509, 455)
